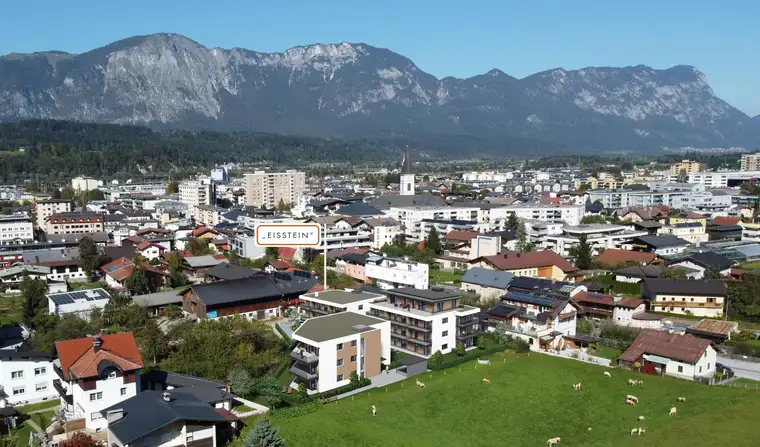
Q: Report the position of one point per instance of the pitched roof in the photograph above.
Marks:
(205, 261)
(358, 209)
(461, 236)
(630, 303)
(614, 257)
(286, 252)
(330, 327)
(710, 259)
(280, 264)
(725, 220)
(685, 287)
(79, 359)
(685, 348)
(713, 327)
(514, 261)
(641, 271)
(592, 298)
(256, 288)
(229, 271)
(487, 277)
(662, 241)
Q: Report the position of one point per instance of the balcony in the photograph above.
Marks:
(59, 371)
(467, 321)
(409, 325)
(62, 392)
(304, 374)
(410, 338)
(305, 356)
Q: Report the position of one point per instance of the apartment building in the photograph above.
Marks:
(16, 229)
(194, 193)
(687, 166)
(426, 321)
(599, 236)
(342, 232)
(384, 233)
(751, 162)
(26, 377)
(332, 347)
(419, 219)
(95, 373)
(75, 222)
(266, 190)
(84, 184)
(208, 215)
(692, 232)
(317, 304)
(688, 297)
(46, 208)
(464, 246)
(570, 214)
(609, 198)
(390, 273)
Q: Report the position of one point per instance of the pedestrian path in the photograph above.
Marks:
(257, 408)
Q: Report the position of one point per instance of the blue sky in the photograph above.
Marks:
(443, 37)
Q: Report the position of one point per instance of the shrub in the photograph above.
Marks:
(360, 383)
(443, 363)
(435, 360)
(481, 342)
(292, 412)
(460, 350)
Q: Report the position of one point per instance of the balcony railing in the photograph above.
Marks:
(304, 356)
(58, 371)
(302, 373)
(62, 392)
(407, 324)
(467, 321)
(412, 339)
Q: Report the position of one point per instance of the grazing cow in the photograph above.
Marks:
(641, 431)
(640, 383)
(607, 374)
(641, 418)
(632, 398)
(681, 399)
(673, 411)
(553, 441)
(420, 384)
(577, 387)
(486, 381)
(374, 411)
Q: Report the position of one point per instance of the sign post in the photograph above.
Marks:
(292, 235)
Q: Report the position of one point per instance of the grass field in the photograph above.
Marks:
(439, 276)
(530, 400)
(38, 406)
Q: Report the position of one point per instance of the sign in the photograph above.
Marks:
(288, 235)
(211, 314)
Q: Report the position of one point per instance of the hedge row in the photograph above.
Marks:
(285, 336)
(361, 383)
(751, 349)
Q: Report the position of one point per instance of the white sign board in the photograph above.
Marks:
(288, 235)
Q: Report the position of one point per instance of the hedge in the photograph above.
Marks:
(748, 348)
(516, 344)
(282, 332)
(361, 383)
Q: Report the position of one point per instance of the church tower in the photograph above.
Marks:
(406, 187)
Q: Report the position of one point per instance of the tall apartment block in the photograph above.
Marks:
(265, 190)
(197, 193)
(751, 162)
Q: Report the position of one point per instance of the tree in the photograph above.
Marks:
(752, 189)
(353, 378)
(673, 273)
(264, 435)
(513, 223)
(198, 247)
(241, 382)
(399, 239)
(460, 350)
(140, 282)
(71, 327)
(712, 273)
(584, 326)
(33, 294)
(523, 244)
(152, 341)
(481, 342)
(303, 393)
(172, 187)
(80, 439)
(436, 359)
(581, 253)
(593, 219)
(433, 241)
(173, 311)
(293, 317)
(683, 176)
(90, 256)
(67, 193)
(584, 186)
(269, 389)
(272, 253)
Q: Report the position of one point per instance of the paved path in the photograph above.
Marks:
(749, 370)
(379, 381)
(257, 408)
(34, 426)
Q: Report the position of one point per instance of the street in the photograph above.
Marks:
(749, 370)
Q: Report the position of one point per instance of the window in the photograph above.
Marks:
(17, 391)
(353, 343)
(96, 396)
(17, 375)
(680, 369)
(40, 371)
(340, 346)
(340, 362)
(112, 375)
(40, 387)
(444, 347)
(445, 320)
(353, 358)
(123, 391)
(444, 333)
(708, 366)
(340, 377)
(700, 369)
(361, 306)
(95, 416)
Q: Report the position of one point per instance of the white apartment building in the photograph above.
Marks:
(16, 229)
(570, 214)
(194, 193)
(317, 304)
(490, 176)
(84, 184)
(266, 190)
(333, 346)
(210, 216)
(46, 208)
(599, 236)
(426, 321)
(419, 219)
(79, 303)
(391, 273)
(692, 232)
(722, 179)
(384, 234)
(751, 162)
(609, 198)
(27, 377)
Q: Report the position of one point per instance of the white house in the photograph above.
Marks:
(391, 273)
(599, 236)
(487, 283)
(79, 303)
(27, 377)
(678, 355)
(16, 228)
(625, 309)
(326, 302)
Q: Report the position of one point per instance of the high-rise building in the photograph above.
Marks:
(266, 190)
(406, 180)
(46, 208)
(687, 166)
(751, 162)
(197, 193)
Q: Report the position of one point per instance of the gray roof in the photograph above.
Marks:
(387, 201)
(432, 294)
(207, 393)
(204, 261)
(255, 288)
(662, 241)
(342, 296)
(229, 271)
(147, 412)
(750, 250)
(709, 259)
(176, 380)
(40, 256)
(685, 287)
(31, 269)
(358, 209)
(641, 271)
(330, 327)
(487, 277)
(158, 299)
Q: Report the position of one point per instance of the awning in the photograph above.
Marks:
(656, 359)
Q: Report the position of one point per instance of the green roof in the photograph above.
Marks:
(330, 327)
(342, 296)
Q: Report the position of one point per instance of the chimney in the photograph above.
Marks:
(167, 397)
(316, 294)
(114, 415)
(97, 342)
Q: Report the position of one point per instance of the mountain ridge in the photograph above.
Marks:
(168, 80)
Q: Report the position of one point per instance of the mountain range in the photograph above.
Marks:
(357, 90)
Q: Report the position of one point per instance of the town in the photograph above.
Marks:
(233, 308)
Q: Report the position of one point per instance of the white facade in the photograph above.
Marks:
(624, 315)
(16, 228)
(694, 234)
(353, 303)
(84, 184)
(705, 366)
(267, 189)
(46, 208)
(27, 379)
(384, 235)
(173, 435)
(609, 198)
(570, 214)
(721, 179)
(411, 215)
(599, 236)
(197, 193)
(406, 184)
(391, 273)
(490, 176)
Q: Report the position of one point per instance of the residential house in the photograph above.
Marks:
(45, 208)
(594, 305)
(487, 283)
(277, 265)
(96, 373)
(613, 257)
(714, 330)
(640, 214)
(530, 285)
(196, 266)
(26, 376)
(11, 278)
(692, 232)
(65, 265)
(537, 264)
(354, 265)
(80, 303)
(704, 261)
(682, 356)
(626, 309)
(225, 272)
(116, 272)
(664, 244)
(699, 298)
(391, 273)
(464, 246)
(317, 304)
(688, 216)
(331, 347)
(426, 321)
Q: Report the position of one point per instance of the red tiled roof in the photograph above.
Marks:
(280, 264)
(318, 287)
(592, 298)
(79, 359)
(119, 269)
(219, 256)
(629, 303)
(461, 236)
(286, 252)
(725, 220)
(514, 260)
(227, 414)
(686, 348)
(202, 230)
(614, 257)
(714, 327)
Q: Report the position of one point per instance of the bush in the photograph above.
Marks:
(292, 412)
(435, 360)
(460, 350)
(436, 364)
(745, 347)
(361, 383)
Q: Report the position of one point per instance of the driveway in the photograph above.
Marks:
(749, 370)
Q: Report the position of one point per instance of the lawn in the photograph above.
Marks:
(38, 406)
(608, 353)
(528, 401)
(626, 288)
(750, 265)
(10, 309)
(439, 276)
(748, 384)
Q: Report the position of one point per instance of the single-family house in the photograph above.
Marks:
(664, 244)
(538, 264)
(701, 298)
(26, 376)
(613, 257)
(487, 283)
(663, 353)
(704, 261)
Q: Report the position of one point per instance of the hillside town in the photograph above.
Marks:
(151, 313)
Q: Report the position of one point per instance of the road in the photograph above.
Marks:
(749, 370)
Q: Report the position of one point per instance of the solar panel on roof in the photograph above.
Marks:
(539, 300)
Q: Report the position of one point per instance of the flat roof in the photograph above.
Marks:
(330, 327)
(432, 294)
(342, 296)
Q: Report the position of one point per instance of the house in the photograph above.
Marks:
(143, 247)
(660, 352)
(626, 309)
(594, 305)
(664, 244)
(65, 265)
(197, 266)
(354, 265)
(692, 232)
(79, 303)
(327, 302)
(96, 373)
(636, 273)
(688, 216)
(526, 284)
(156, 303)
(705, 261)
(639, 214)
(714, 330)
(167, 418)
(390, 273)
(426, 321)
(226, 272)
(487, 283)
(331, 347)
(700, 298)
(11, 278)
(74, 222)
(116, 272)
(26, 377)
(538, 264)
(464, 246)
(613, 257)
(277, 265)
(258, 297)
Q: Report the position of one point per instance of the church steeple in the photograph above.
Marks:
(407, 176)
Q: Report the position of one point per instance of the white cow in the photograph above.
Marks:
(607, 374)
